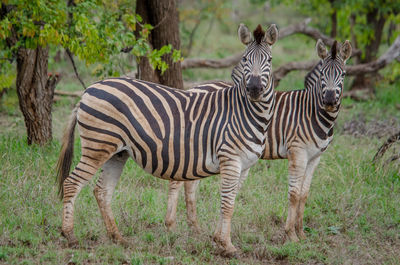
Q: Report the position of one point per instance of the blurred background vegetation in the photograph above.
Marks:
(352, 215)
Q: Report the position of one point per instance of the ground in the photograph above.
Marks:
(352, 215)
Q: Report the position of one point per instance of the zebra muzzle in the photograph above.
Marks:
(329, 99)
(254, 87)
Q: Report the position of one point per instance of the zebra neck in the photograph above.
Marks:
(322, 118)
(258, 113)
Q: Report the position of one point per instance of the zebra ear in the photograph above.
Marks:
(321, 49)
(271, 36)
(244, 34)
(345, 50)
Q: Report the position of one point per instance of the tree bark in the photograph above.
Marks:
(35, 88)
(363, 81)
(333, 19)
(391, 140)
(391, 54)
(35, 93)
(163, 15)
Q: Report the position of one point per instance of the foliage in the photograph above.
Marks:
(352, 204)
(93, 30)
(7, 74)
(363, 31)
(194, 13)
(155, 57)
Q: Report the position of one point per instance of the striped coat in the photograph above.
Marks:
(172, 134)
(301, 129)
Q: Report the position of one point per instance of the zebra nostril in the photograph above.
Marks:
(329, 98)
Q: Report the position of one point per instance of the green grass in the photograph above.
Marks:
(352, 215)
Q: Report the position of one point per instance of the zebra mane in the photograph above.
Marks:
(309, 78)
(258, 34)
(334, 50)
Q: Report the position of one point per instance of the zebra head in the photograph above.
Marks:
(255, 65)
(332, 72)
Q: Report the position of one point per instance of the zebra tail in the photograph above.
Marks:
(66, 154)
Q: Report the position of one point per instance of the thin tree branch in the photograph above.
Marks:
(212, 63)
(391, 140)
(74, 66)
(191, 37)
(70, 4)
(391, 54)
(285, 69)
(69, 94)
(283, 33)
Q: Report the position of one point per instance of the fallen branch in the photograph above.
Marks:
(359, 94)
(283, 33)
(283, 70)
(69, 94)
(391, 140)
(212, 63)
(392, 158)
(392, 53)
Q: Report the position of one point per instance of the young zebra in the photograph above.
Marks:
(172, 134)
(301, 129)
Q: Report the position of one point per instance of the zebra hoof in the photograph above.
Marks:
(73, 244)
(118, 239)
(301, 235)
(72, 240)
(171, 226)
(231, 254)
(123, 243)
(292, 236)
(227, 250)
(194, 228)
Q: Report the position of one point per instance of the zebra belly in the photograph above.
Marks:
(275, 151)
(165, 135)
(170, 168)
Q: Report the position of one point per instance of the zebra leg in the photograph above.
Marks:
(190, 199)
(230, 179)
(111, 172)
(311, 166)
(173, 194)
(72, 185)
(297, 167)
(243, 177)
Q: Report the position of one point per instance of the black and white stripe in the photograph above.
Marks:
(301, 129)
(172, 134)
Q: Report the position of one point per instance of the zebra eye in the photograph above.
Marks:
(244, 59)
(270, 59)
(343, 74)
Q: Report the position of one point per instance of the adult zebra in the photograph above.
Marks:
(172, 134)
(301, 129)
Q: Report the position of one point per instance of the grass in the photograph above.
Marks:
(352, 215)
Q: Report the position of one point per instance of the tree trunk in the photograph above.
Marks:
(366, 81)
(35, 93)
(333, 19)
(334, 24)
(163, 15)
(354, 42)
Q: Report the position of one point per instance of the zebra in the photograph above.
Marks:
(301, 129)
(172, 134)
